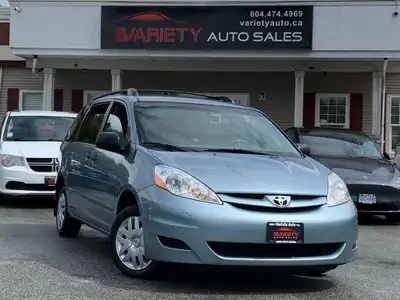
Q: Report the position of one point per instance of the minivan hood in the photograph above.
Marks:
(360, 169)
(45, 149)
(251, 174)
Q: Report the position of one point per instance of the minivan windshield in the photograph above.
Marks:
(202, 127)
(36, 128)
(341, 144)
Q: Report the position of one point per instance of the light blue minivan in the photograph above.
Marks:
(179, 177)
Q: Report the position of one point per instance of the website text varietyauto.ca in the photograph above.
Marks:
(271, 23)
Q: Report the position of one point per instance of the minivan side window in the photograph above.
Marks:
(117, 120)
(91, 124)
(73, 130)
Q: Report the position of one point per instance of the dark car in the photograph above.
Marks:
(372, 179)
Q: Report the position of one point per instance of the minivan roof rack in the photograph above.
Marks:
(125, 92)
(136, 93)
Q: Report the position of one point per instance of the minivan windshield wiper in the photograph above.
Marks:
(166, 147)
(243, 151)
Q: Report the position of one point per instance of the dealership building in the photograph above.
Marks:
(304, 63)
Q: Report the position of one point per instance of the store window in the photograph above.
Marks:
(333, 110)
(90, 95)
(394, 127)
(30, 100)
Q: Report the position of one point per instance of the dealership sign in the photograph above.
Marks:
(207, 28)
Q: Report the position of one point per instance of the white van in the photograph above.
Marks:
(30, 151)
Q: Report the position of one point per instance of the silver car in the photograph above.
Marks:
(195, 179)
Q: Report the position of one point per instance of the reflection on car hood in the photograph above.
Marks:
(247, 173)
(354, 169)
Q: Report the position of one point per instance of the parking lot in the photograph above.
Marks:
(36, 264)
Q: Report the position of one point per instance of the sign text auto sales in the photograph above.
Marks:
(192, 35)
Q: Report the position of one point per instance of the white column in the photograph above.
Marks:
(298, 98)
(376, 102)
(116, 79)
(48, 88)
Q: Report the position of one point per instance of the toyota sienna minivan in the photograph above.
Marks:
(187, 178)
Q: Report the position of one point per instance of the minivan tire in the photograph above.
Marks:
(66, 227)
(150, 271)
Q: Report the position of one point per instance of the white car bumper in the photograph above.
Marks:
(23, 181)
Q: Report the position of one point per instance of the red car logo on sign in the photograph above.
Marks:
(146, 30)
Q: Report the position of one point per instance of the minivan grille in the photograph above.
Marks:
(262, 196)
(43, 164)
(39, 160)
(260, 251)
(258, 208)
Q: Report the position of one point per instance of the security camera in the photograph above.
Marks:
(311, 68)
(395, 13)
(17, 9)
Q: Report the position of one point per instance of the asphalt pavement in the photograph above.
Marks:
(37, 264)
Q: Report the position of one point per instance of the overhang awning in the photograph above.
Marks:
(253, 64)
(271, 54)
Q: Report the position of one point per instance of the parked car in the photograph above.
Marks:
(30, 151)
(195, 179)
(371, 177)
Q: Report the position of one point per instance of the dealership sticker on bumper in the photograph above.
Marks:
(285, 233)
(367, 198)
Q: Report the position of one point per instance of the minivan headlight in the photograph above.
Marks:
(337, 191)
(184, 185)
(12, 161)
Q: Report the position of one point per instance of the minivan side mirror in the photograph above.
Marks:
(386, 156)
(109, 141)
(304, 148)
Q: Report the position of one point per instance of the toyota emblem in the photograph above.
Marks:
(279, 201)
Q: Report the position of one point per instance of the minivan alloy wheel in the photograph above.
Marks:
(129, 243)
(61, 211)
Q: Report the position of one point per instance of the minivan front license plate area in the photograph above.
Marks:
(50, 180)
(367, 198)
(285, 233)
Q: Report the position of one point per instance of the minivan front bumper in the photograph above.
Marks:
(181, 230)
(22, 181)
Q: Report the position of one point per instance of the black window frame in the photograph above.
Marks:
(92, 105)
(127, 134)
(76, 125)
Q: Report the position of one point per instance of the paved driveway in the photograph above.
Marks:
(36, 264)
